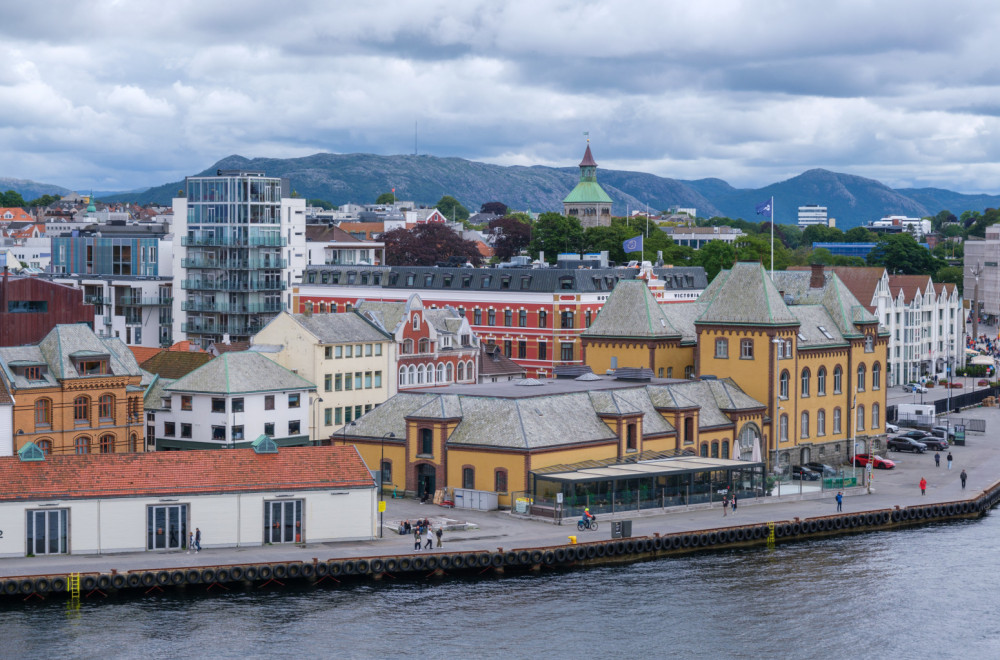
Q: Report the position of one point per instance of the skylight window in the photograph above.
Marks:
(802, 337)
(826, 333)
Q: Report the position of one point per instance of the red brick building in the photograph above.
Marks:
(31, 307)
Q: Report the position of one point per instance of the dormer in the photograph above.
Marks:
(89, 363)
(30, 371)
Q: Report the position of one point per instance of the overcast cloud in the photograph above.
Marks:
(122, 94)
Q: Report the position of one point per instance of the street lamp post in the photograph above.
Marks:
(381, 479)
(317, 400)
(776, 421)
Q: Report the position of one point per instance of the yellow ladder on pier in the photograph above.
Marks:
(770, 536)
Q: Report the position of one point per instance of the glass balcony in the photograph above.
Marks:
(96, 300)
(233, 264)
(234, 241)
(151, 301)
(232, 329)
(230, 285)
(232, 308)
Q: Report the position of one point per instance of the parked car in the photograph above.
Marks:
(822, 468)
(804, 473)
(879, 463)
(891, 428)
(903, 443)
(914, 434)
(915, 387)
(982, 382)
(944, 432)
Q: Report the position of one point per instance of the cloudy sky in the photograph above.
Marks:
(123, 94)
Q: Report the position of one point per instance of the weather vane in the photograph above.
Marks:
(587, 133)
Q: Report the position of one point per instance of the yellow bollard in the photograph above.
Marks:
(572, 540)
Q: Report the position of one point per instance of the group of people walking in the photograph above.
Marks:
(421, 530)
(728, 502)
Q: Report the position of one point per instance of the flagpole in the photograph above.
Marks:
(772, 238)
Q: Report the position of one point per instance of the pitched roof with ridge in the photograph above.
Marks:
(744, 295)
(861, 281)
(339, 328)
(844, 309)
(245, 372)
(631, 311)
(910, 286)
(175, 364)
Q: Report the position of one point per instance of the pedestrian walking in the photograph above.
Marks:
(840, 501)
(416, 538)
(438, 533)
(734, 503)
(964, 476)
(725, 505)
(430, 540)
(937, 459)
(923, 486)
(190, 542)
(949, 460)
(197, 540)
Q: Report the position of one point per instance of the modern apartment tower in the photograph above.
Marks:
(242, 246)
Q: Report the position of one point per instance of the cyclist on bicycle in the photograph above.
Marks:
(587, 517)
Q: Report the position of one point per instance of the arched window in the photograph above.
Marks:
(470, 371)
(448, 372)
(804, 423)
(407, 346)
(43, 413)
(820, 422)
(133, 443)
(107, 444)
(106, 408)
(468, 477)
(430, 374)
(861, 377)
(748, 441)
(836, 421)
(704, 450)
(440, 373)
(875, 416)
(500, 481)
(783, 385)
(461, 372)
(402, 376)
(416, 322)
(82, 445)
(715, 448)
(81, 409)
(421, 374)
(411, 375)
(861, 418)
(821, 382)
(725, 449)
(805, 383)
(45, 445)
(838, 379)
(877, 376)
(424, 345)
(783, 429)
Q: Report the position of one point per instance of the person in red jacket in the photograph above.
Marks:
(923, 486)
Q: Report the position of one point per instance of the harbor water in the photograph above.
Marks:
(923, 592)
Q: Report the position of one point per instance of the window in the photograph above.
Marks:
(869, 344)
(877, 376)
(218, 405)
(566, 351)
(838, 377)
(821, 422)
(804, 423)
(45, 446)
(169, 429)
(836, 420)
(33, 373)
(106, 408)
(507, 348)
(491, 317)
(283, 522)
(746, 349)
(542, 353)
(328, 353)
(107, 444)
(522, 318)
(805, 383)
(630, 438)
(294, 427)
(522, 349)
(722, 349)
(185, 430)
(237, 433)
(500, 481)
(861, 418)
(328, 382)
(269, 429)
(294, 400)
(861, 378)
(378, 379)
(43, 413)
(82, 445)
(821, 382)
(348, 351)
(477, 316)
(416, 322)
(783, 385)
(424, 346)
(508, 317)
(689, 372)
(368, 380)
(358, 376)
(81, 409)
(426, 442)
(269, 402)
(543, 319)
(783, 429)
(378, 350)
(338, 352)
(185, 402)
(566, 320)
(218, 433)
(46, 531)
(468, 478)
(875, 416)
(347, 382)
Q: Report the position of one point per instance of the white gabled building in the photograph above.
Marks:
(231, 401)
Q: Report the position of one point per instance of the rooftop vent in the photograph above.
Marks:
(572, 370)
(634, 373)
(264, 445)
(527, 382)
(588, 377)
(30, 452)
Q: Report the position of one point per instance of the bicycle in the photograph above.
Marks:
(591, 525)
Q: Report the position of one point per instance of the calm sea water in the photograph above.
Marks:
(932, 592)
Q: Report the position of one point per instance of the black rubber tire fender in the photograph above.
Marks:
(510, 559)
(822, 525)
(177, 578)
(163, 578)
(523, 557)
(207, 575)
(118, 581)
(264, 572)
(43, 585)
(293, 570)
(236, 573)
(686, 541)
(391, 565)
(58, 585)
(444, 561)
(896, 515)
(796, 529)
(619, 547)
(738, 534)
(483, 559)
(307, 570)
(658, 543)
(280, 571)
(591, 551)
(222, 575)
(134, 580)
(27, 586)
(536, 556)
(496, 560)
(713, 538)
(431, 563)
(334, 568)
(193, 576)
(377, 565)
(349, 567)
(936, 511)
(88, 583)
(458, 561)
(148, 579)
(418, 563)
(405, 564)
(103, 582)
(648, 545)
(363, 566)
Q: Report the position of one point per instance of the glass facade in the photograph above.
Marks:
(47, 532)
(283, 522)
(166, 527)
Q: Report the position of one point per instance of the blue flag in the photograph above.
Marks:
(764, 209)
(633, 244)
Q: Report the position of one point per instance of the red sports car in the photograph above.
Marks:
(878, 462)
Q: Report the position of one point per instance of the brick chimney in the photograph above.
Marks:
(816, 280)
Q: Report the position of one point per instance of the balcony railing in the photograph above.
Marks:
(234, 241)
(233, 264)
(152, 301)
(217, 329)
(231, 308)
(239, 285)
(96, 300)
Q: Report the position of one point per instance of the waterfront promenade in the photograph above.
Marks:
(495, 529)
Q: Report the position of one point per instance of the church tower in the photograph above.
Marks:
(587, 201)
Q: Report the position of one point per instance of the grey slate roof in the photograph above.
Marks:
(812, 317)
(682, 316)
(631, 311)
(153, 400)
(339, 328)
(842, 306)
(744, 295)
(240, 372)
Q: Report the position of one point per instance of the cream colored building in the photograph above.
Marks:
(350, 359)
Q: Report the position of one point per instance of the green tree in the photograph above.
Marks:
(452, 209)
(715, 256)
(951, 275)
(859, 235)
(554, 233)
(821, 234)
(321, 203)
(901, 254)
(386, 198)
(44, 200)
(11, 199)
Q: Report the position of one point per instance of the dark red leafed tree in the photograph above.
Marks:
(427, 245)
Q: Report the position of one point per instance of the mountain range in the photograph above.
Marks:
(361, 178)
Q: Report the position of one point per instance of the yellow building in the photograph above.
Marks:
(802, 343)
(75, 392)
(492, 437)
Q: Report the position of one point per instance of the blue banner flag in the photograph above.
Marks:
(633, 244)
(764, 209)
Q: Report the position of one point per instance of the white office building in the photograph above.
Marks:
(812, 214)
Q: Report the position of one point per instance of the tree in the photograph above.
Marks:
(715, 256)
(496, 208)
(452, 209)
(386, 198)
(508, 237)
(821, 234)
(44, 200)
(321, 203)
(859, 235)
(427, 245)
(901, 254)
(11, 199)
(951, 275)
(554, 233)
